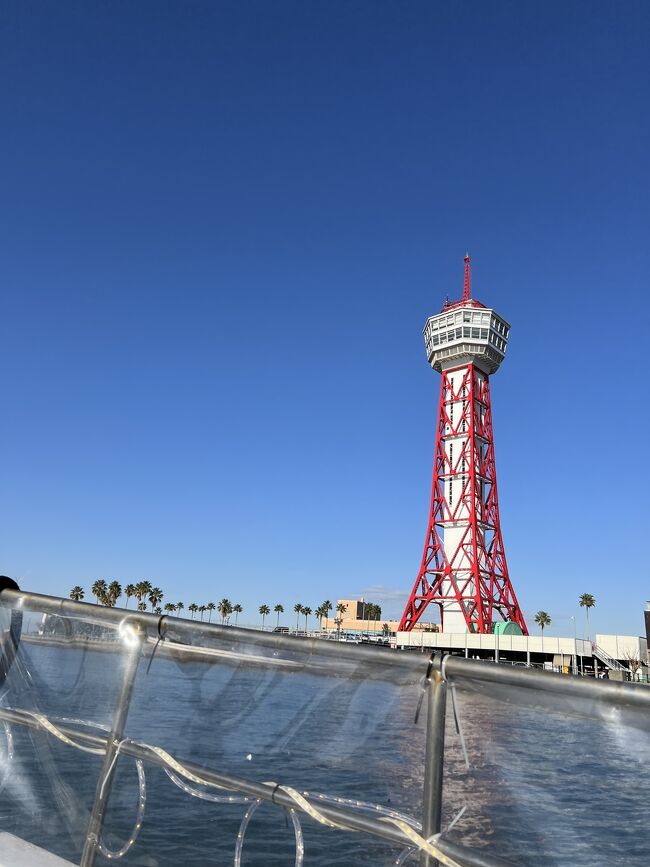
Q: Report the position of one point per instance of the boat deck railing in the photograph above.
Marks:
(423, 840)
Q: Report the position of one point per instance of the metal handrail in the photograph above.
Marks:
(187, 631)
(183, 630)
(605, 658)
(346, 819)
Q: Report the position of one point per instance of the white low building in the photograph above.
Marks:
(607, 651)
(624, 648)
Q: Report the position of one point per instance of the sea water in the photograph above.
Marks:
(540, 789)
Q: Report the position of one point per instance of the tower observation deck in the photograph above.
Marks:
(463, 568)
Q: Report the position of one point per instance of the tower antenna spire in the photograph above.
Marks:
(467, 286)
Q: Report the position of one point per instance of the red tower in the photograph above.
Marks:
(463, 568)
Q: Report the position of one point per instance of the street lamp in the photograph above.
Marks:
(575, 646)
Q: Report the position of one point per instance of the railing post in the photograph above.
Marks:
(434, 757)
(105, 781)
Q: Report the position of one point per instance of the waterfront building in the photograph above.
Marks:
(624, 657)
(354, 619)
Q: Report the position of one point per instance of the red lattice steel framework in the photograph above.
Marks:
(475, 574)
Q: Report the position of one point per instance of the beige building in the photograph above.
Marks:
(354, 619)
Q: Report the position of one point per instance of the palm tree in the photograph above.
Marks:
(142, 606)
(542, 619)
(587, 601)
(298, 610)
(306, 611)
(142, 589)
(279, 609)
(237, 610)
(155, 597)
(224, 608)
(325, 608)
(98, 589)
(264, 610)
(210, 608)
(114, 591)
(193, 608)
(77, 593)
(179, 606)
(202, 610)
(373, 612)
(157, 610)
(129, 591)
(319, 613)
(169, 607)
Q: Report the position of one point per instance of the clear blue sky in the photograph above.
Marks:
(222, 227)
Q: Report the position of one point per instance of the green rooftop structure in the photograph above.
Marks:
(506, 627)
